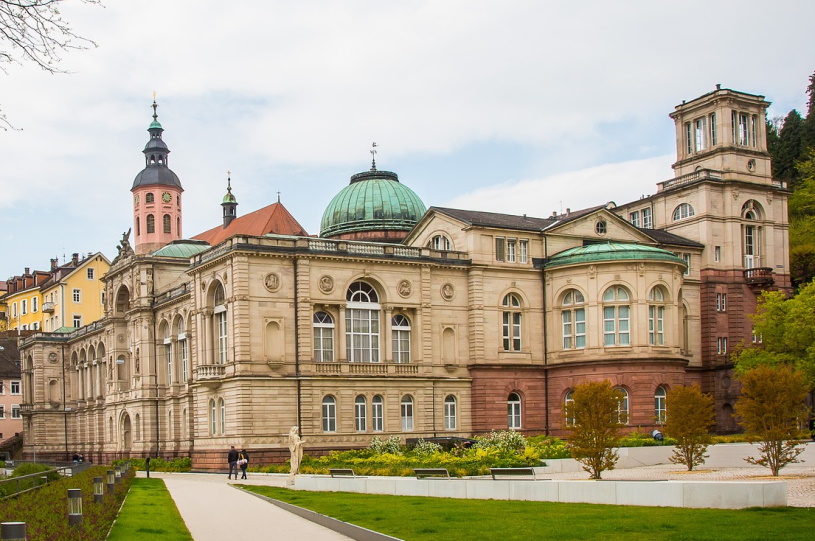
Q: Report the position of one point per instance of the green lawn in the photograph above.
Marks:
(149, 513)
(430, 519)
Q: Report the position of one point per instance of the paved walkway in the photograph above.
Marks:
(214, 510)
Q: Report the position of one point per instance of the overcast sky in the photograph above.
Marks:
(509, 106)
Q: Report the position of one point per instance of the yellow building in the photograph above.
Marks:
(69, 295)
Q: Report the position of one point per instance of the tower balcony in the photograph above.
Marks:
(759, 276)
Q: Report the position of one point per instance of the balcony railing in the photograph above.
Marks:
(48, 307)
(26, 409)
(210, 371)
(759, 276)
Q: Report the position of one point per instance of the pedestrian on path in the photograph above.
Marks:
(243, 462)
(232, 458)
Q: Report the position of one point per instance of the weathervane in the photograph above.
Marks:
(229, 181)
(373, 156)
(155, 114)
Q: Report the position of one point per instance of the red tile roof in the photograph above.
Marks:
(273, 218)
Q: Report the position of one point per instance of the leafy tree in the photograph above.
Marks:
(596, 429)
(689, 422)
(772, 411)
(802, 221)
(790, 148)
(33, 31)
(785, 333)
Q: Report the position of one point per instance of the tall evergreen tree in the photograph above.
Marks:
(809, 122)
(790, 149)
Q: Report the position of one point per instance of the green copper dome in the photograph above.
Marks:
(373, 201)
(611, 251)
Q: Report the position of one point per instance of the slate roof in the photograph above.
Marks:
(663, 237)
(273, 218)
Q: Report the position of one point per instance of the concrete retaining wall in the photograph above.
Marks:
(699, 494)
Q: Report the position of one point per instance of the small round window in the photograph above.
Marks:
(751, 165)
(600, 228)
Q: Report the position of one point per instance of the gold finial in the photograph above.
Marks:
(154, 95)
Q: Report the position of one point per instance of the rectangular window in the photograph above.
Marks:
(360, 417)
(743, 131)
(699, 134)
(647, 223)
(499, 248)
(656, 324)
(721, 345)
(14, 309)
(35, 304)
(15, 387)
(2, 386)
(15, 411)
(733, 125)
(511, 245)
(184, 358)
(220, 320)
(512, 331)
(686, 259)
(90, 273)
(449, 414)
(2, 411)
(688, 138)
(329, 416)
(377, 415)
(77, 322)
(634, 218)
(362, 335)
(523, 251)
(566, 317)
(721, 302)
(23, 307)
(717, 253)
(713, 139)
(77, 295)
(757, 338)
(753, 130)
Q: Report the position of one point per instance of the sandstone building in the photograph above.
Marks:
(401, 320)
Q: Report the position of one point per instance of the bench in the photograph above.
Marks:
(526, 473)
(341, 472)
(422, 473)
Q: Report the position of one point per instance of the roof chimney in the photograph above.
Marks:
(568, 211)
(75, 258)
(54, 264)
(27, 271)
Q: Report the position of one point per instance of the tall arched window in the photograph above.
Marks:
(659, 404)
(362, 323)
(406, 411)
(684, 210)
(213, 418)
(568, 400)
(323, 337)
(440, 242)
(378, 413)
(183, 348)
(450, 413)
(656, 317)
(151, 223)
(616, 317)
(168, 351)
(329, 414)
(361, 414)
(622, 406)
(219, 320)
(511, 322)
(751, 212)
(400, 329)
(168, 224)
(222, 413)
(573, 318)
(514, 411)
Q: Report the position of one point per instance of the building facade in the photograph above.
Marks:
(451, 323)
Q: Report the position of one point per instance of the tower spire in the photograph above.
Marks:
(229, 203)
(373, 156)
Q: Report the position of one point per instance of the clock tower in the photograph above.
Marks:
(156, 195)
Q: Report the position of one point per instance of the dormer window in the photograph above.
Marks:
(440, 242)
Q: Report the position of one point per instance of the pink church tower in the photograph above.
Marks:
(156, 195)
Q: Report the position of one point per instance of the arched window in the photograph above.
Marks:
(511, 322)
(656, 317)
(400, 329)
(323, 337)
(622, 406)
(183, 348)
(514, 411)
(406, 411)
(138, 226)
(151, 223)
(659, 404)
(573, 318)
(361, 414)
(568, 400)
(168, 351)
(450, 419)
(168, 224)
(222, 413)
(362, 323)
(219, 320)
(751, 212)
(149, 198)
(616, 317)
(378, 414)
(329, 414)
(684, 210)
(440, 242)
(213, 418)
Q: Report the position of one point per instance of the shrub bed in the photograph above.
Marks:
(45, 511)
(183, 464)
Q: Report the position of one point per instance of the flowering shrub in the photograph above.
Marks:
(392, 445)
(426, 448)
(505, 440)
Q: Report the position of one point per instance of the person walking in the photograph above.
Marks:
(243, 462)
(232, 458)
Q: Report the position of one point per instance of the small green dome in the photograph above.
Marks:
(373, 201)
(610, 251)
(229, 198)
(155, 125)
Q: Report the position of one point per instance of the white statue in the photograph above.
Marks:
(296, 450)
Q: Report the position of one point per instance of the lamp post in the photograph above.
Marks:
(74, 506)
(118, 474)
(12, 531)
(111, 480)
(98, 489)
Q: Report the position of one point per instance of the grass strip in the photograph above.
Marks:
(429, 519)
(149, 512)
